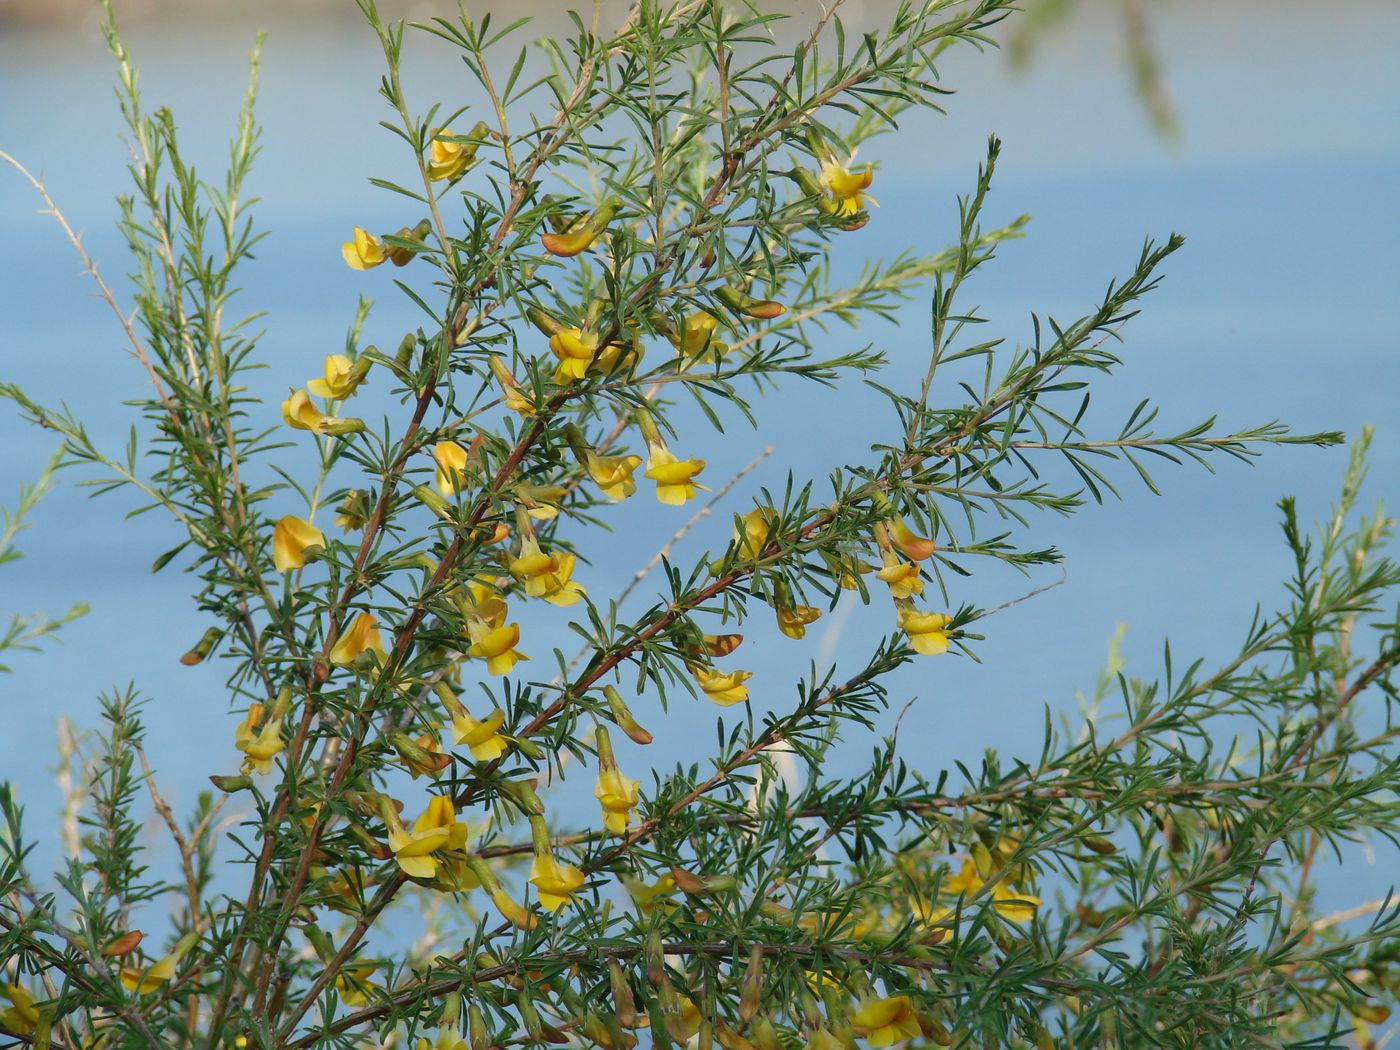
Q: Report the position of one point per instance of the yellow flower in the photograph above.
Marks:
(300, 414)
(675, 478)
(617, 794)
(698, 334)
(259, 746)
(793, 619)
(902, 576)
(541, 501)
(361, 636)
(512, 394)
(447, 159)
(886, 1021)
(575, 350)
(1010, 904)
(343, 377)
(481, 602)
(928, 632)
(725, 689)
(483, 737)
(451, 460)
(437, 829)
(514, 912)
(446, 1040)
(22, 1017)
(612, 474)
(140, 981)
(354, 984)
(546, 576)
(291, 539)
(363, 251)
(495, 645)
(649, 897)
(846, 187)
(557, 883)
(353, 512)
(751, 535)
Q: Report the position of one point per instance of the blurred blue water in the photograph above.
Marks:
(1283, 304)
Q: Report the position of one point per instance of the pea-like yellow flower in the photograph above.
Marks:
(436, 829)
(675, 478)
(22, 1017)
(698, 334)
(541, 501)
(547, 576)
(928, 632)
(793, 619)
(724, 688)
(300, 414)
(451, 460)
(447, 1039)
(752, 533)
(354, 984)
(353, 512)
(512, 393)
(886, 1021)
(363, 251)
(847, 188)
(1008, 903)
(650, 896)
(292, 539)
(259, 745)
(612, 474)
(556, 882)
(142, 980)
(483, 737)
(343, 377)
(495, 645)
(480, 601)
(617, 794)
(902, 577)
(362, 636)
(447, 159)
(575, 350)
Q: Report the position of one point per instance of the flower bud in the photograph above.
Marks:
(127, 942)
(741, 302)
(229, 785)
(203, 647)
(623, 717)
(433, 500)
(478, 1033)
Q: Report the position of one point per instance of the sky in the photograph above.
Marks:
(1282, 305)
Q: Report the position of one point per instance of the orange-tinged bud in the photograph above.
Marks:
(203, 647)
(741, 302)
(914, 546)
(581, 235)
(127, 942)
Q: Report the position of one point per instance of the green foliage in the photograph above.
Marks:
(682, 182)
